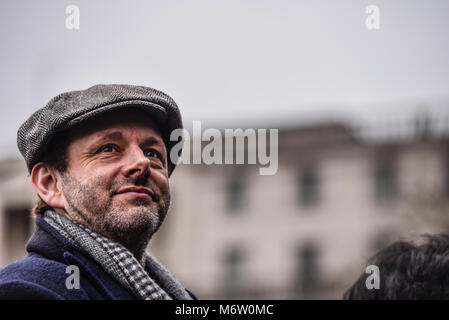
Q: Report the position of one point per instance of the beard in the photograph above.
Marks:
(131, 222)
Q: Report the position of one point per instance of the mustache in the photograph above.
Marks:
(139, 182)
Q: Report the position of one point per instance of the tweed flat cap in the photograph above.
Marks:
(72, 108)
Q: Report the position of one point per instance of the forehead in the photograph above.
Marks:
(121, 120)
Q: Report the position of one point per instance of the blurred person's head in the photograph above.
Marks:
(408, 271)
(108, 170)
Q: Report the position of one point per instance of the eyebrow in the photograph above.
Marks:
(112, 135)
(117, 135)
(152, 141)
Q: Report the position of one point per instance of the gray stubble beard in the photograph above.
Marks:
(109, 220)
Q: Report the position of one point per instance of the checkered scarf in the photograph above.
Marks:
(151, 283)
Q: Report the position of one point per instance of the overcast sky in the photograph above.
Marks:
(230, 62)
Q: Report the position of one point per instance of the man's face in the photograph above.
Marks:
(117, 176)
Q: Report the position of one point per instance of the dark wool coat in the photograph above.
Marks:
(42, 274)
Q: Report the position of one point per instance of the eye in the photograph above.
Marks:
(107, 148)
(152, 154)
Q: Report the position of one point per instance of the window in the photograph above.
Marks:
(381, 241)
(235, 194)
(233, 267)
(308, 269)
(308, 187)
(385, 180)
(446, 162)
(16, 231)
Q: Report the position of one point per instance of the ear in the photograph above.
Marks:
(45, 180)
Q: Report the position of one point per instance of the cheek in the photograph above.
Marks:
(104, 174)
(161, 181)
(99, 182)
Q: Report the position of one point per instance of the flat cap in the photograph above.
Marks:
(72, 108)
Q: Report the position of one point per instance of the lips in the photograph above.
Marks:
(137, 190)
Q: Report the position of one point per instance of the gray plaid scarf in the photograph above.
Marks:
(151, 283)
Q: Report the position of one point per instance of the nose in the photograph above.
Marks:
(137, 164)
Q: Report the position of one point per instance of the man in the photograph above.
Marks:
(99, 162)
(407, 272)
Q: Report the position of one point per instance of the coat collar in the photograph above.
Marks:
(47, 241)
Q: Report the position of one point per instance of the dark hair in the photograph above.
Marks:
(55, 156)
(56, 153)
(408, 271)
